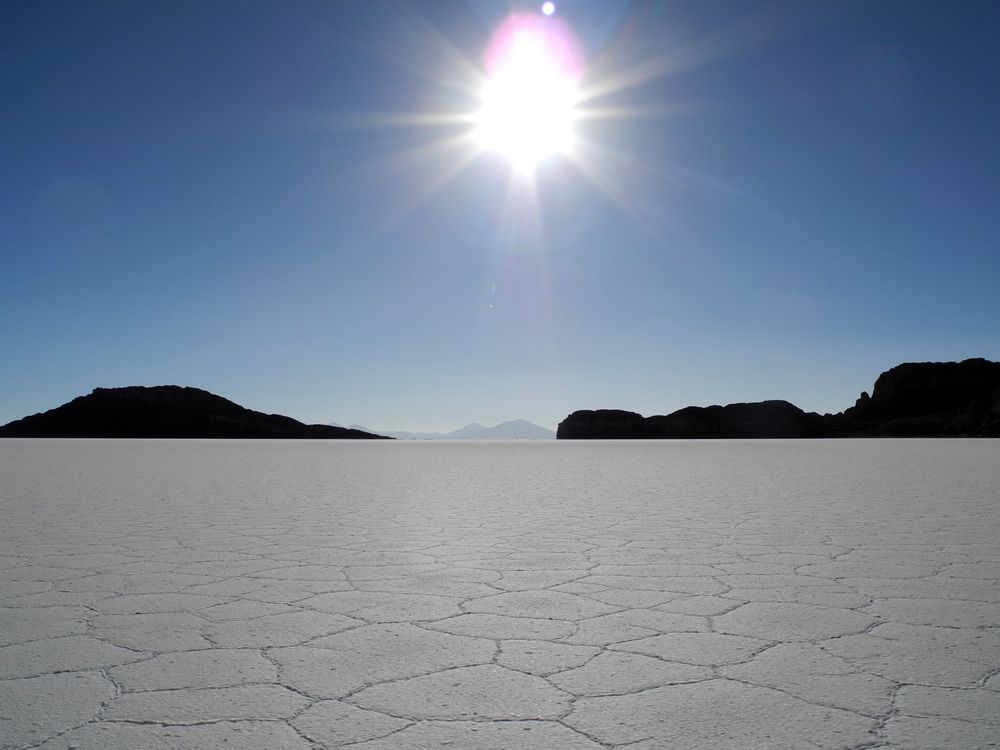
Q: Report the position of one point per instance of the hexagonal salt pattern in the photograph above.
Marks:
(552, 596)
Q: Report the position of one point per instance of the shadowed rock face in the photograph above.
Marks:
(926, 399)
(911, 400)
(602, 424)
(165, 411)
(766, 419)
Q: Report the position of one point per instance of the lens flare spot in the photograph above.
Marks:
(528, 103)
(548, 8)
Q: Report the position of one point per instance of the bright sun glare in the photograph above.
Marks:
(530, 96)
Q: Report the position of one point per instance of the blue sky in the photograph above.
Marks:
(212, 194)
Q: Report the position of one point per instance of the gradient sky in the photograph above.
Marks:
(241, 197)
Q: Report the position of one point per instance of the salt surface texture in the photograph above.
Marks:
(478, 596)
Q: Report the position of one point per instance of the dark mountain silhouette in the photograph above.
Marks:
(771, 419)
(925, 399)
(165, 411)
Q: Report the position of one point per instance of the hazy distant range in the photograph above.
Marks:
(516, 429)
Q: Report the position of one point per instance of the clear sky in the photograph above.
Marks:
(282, 203)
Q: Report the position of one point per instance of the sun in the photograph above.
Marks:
(528, 103)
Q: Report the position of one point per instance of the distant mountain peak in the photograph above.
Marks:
(515, 429)
(469, 429)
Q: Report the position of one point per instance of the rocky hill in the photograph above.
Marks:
(927, 399)
(166, 411)
(916, 399)
(771, 419)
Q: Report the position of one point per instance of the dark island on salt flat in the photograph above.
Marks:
(915, 399)
(927, 399)
(167, 411)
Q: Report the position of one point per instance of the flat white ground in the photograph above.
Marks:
(488, 596)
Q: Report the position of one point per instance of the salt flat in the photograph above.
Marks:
(559, 596)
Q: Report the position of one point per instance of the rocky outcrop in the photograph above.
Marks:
(600, 424)
(923, 399)
(166, 411)
(764, 419)
(916, 399)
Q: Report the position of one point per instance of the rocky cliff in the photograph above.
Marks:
(919, 399)
(165, 411)
(772, 419)
(916, 399)
(601, 424)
